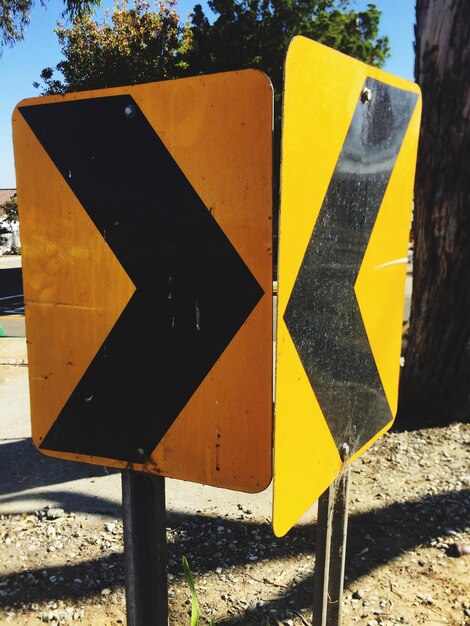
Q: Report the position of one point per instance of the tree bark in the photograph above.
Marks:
(435, 384)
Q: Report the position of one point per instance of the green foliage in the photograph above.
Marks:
(15, 16)
(195, 614)
(256, 33)
(137, 43)
(194, 603)
(10, 210)
(133, 44)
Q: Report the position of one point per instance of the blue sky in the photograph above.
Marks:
(21, 66)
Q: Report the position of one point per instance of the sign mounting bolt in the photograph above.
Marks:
(129, 110)
(344, 451)
(366, 95)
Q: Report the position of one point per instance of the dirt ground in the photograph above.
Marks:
(407, 560)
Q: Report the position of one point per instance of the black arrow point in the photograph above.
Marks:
(193, 290)
(322, 315)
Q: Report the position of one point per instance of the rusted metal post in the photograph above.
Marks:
(145, 550)
(330, 557)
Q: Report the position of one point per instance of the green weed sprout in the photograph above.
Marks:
(195, 614)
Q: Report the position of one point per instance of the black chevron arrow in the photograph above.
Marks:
(193, 291)
(322, 314)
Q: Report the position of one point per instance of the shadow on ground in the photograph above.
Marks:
(375, 537)
(23, 468)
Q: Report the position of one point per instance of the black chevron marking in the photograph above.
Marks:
(193, 290)
(322, 315)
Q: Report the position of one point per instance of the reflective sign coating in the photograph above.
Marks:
(188, 277)
(322, 314)
(349, 143)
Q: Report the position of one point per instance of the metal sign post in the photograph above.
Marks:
(330, 557)
(145, 551)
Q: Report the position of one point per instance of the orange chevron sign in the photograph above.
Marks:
(350, 135)
(146, 231)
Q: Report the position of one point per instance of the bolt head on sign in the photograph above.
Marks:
(147, 269)
(350, 134)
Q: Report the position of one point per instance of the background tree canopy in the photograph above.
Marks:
(15, 16)
(139, 43)
(9, 215)
(131, 45)
(256, 33)
(10, 210)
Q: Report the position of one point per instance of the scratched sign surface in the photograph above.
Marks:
(350, 134)
(146, 230)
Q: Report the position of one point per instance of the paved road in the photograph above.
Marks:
(11, 297)
(11, 291)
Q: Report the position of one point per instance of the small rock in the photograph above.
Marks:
(358, 594)
(425, 599)
(55, 513)
(459, 549)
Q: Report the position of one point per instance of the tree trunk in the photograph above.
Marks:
(435, 385)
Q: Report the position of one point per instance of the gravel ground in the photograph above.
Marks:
(408, 552)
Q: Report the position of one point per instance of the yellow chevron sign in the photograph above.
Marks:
(350, 134)
(147, 271)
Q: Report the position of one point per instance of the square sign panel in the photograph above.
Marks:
(146, 230)
(350, 134)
